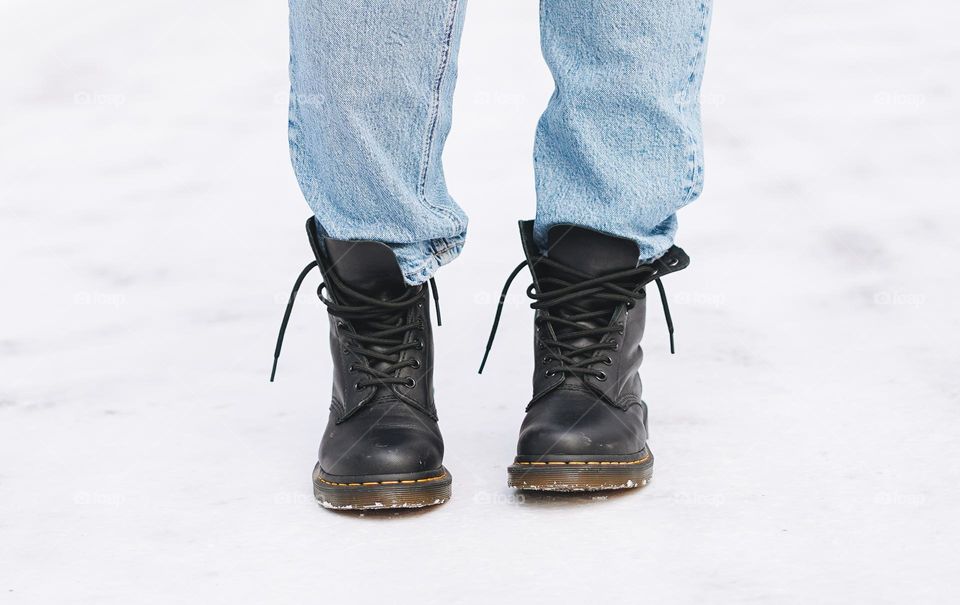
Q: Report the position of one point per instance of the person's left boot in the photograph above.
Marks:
(586, 426)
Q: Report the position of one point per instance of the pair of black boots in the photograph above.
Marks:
(586, 425)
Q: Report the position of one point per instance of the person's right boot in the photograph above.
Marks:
(586, 425)
(382, 446)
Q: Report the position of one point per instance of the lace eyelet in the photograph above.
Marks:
(352, 368)
(415, 364)
(419, 346)
(550, 373)
(601, 376)
(608, 361)
(357, 386)
(410, 383)
(340, 325)
(546, 360)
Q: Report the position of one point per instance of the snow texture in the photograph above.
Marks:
(806, 432)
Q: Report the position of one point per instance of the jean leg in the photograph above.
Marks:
(371, 93)
(619, 147)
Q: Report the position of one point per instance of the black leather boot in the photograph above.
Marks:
(586, 425)
(382, 447)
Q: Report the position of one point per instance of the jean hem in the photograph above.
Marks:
(432, 255)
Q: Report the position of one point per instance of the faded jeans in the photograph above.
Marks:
(618, 149)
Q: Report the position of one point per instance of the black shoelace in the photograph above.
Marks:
(565, 318)
(383, 324)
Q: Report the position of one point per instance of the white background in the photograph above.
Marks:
(806, 432)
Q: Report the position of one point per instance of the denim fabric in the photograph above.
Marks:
(618, 148)
(371, 89)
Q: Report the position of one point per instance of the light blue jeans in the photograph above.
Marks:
(618, 148)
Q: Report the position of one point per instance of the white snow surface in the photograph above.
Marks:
(806, 433)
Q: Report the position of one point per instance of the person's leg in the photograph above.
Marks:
(372, 82)
(619, 147)
(371, 89)
(617, 153)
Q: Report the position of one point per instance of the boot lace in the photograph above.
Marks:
(578, 309)
(377, 331)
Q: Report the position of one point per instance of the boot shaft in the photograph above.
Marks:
(381, 337)
(590, 290)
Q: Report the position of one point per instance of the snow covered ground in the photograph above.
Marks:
(806, 432)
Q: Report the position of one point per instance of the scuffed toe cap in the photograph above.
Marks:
(575, 424)
(387, 441)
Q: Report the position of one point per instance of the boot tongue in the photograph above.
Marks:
(368, 267)
(593, 253)
(590, 251)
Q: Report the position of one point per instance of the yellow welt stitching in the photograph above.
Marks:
(394, 482)
(644, 459)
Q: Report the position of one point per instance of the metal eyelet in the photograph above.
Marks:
(340, 325)
(410, 383)
(546, 360)
(673, 262)
(352, 368)
(416, 364)
(608, 361)
(357, 386)
(601, 376)
(622, 327)
(550, 373)
(419, 345)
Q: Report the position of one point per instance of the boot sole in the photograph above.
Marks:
(374, 495)
(581, 476)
